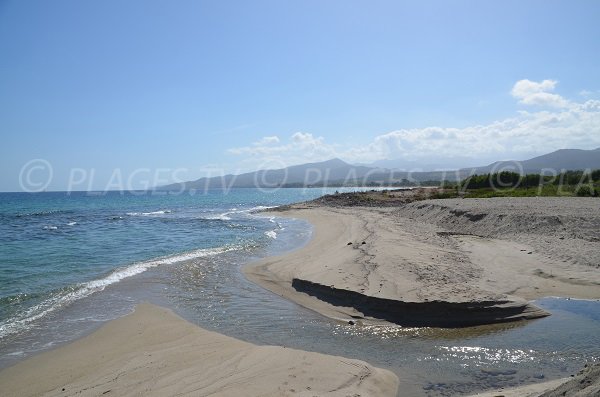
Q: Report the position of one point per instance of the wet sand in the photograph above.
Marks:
(586, 383)
(416, 264)
(156, 353)
(423, 264)
(525, 391)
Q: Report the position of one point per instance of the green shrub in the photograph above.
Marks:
(444, 195)
(586, 191)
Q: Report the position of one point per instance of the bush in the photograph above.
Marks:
(444, 194)
(586, 191)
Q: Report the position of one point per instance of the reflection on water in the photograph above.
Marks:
(213, 293)
(435, 362)
(392, 331)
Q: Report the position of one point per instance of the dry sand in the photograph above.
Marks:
(153, 352)
(563, 229)
(461, 261)
(440, 262)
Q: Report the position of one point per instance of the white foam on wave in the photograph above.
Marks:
(279, 226)
(261, 208)
(17, 353)
(273, 233)
(227, 216)
(222, 217)
(50, 227)
(160, 212)
(71, 223)
(13, 325)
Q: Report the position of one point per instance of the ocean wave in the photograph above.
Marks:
(261, 208)
(271, 234)
(221, 217)
(71, 223)
(226, 216)
(70, 294)
(42, 213)
(279, 225)
(159, 212)
(50, 227)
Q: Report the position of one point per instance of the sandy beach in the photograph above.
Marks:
(156, 353)
(443, 263)
(447, 263)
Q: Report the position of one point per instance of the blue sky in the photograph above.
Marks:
(226, 86)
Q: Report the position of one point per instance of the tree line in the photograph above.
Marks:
(582, 181)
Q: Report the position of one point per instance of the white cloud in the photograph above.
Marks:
(536, 132)
(266, 145)
(267, 140)
(301, 147)
(570, 125)
(305, 140)
(533, 93)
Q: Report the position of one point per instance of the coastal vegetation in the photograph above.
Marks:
(500, 184)
(512, 184)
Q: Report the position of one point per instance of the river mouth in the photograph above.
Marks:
(212, 292)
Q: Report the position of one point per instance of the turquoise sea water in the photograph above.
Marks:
(57, 248)
(70, 262)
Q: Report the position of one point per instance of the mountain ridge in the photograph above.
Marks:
(340, 173)
(559, 160)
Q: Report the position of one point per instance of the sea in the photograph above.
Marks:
(71, 261)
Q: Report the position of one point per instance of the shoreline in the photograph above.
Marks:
(364, 228)
(375, 265)
(533, 390)
(152, 351)
(586, 383)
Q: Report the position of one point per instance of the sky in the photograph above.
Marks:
(96, 94)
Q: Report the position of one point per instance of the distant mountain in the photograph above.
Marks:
(336, 172)
(302, 175)
(560, 160)
(400, 164)
(424, 165)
